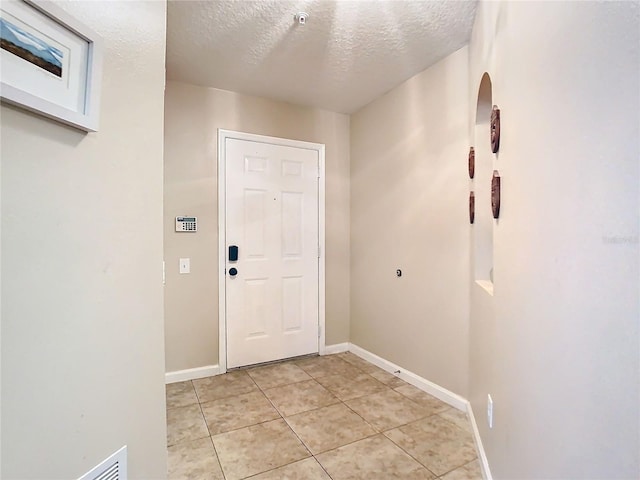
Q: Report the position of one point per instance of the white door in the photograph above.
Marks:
(272, 219)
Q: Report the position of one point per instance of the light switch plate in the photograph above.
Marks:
(185, 265)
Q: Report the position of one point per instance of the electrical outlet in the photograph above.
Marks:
(490, 411)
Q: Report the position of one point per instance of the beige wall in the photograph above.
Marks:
(409, 189)
(192, 116)
(82, 314)
(557, 344)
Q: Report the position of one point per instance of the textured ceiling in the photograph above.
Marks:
(347, 54)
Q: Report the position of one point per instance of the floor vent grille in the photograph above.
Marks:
(113, 468)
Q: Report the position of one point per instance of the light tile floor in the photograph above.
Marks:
(332, 417)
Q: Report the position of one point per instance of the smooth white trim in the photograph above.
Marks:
(431, 388)
(321, 244)
(191, 374)
(335, 348)
(222, 251)
(417, 381)
(484, 463)
(223, 135)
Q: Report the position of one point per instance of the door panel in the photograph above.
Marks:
(272, 216)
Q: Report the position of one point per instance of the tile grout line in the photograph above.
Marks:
(306, 411)
(376, 431)
(407, 453)
(286, 423)
(456, 468)
(381, 432)
(215, 451)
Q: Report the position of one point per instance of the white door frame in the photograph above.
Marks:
(223, 135)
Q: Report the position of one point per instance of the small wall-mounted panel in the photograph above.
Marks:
(186, 224)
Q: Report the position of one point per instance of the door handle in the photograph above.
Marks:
(233, 272)
(233, 253)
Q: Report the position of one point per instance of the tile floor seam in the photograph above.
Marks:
(358, 397)
(419, 462)
(387, 438)
(276, 408)
(189, 404)
(323, 469)
(224, 477)
(286, 465)
(310, 410)
(253, 380)
(408, 423)
(452, 423)
(425, 466)
(292, 430)
(181, 442)
(345, 444)
(456, 468)
(223, 398)
(287, 384)
(245, 426)
(289, 427)
(235, 429)
(270, 469)
(205, 419)
(471, 467)
(363, 419)
(195, 390)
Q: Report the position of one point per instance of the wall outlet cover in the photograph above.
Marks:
(185, 265)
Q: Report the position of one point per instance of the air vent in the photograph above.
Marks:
(113, 468)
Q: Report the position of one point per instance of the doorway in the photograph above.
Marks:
(271, 248)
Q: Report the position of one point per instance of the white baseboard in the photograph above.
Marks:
(336, 348)
(434, 389)
(484, 463)
(211, 370)
(417, 381)
(191, 374)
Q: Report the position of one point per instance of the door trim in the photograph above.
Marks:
(223, 135)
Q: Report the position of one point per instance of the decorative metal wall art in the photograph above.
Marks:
(472, 162)
(495, 129)
(472, 208)
(495, 194)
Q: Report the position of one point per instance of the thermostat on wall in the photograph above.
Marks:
(186, 224)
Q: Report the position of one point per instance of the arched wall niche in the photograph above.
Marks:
(484, 223)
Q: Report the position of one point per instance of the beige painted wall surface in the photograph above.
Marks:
(192, 116)
(82, 313)
(409, 189)
(557, 344)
